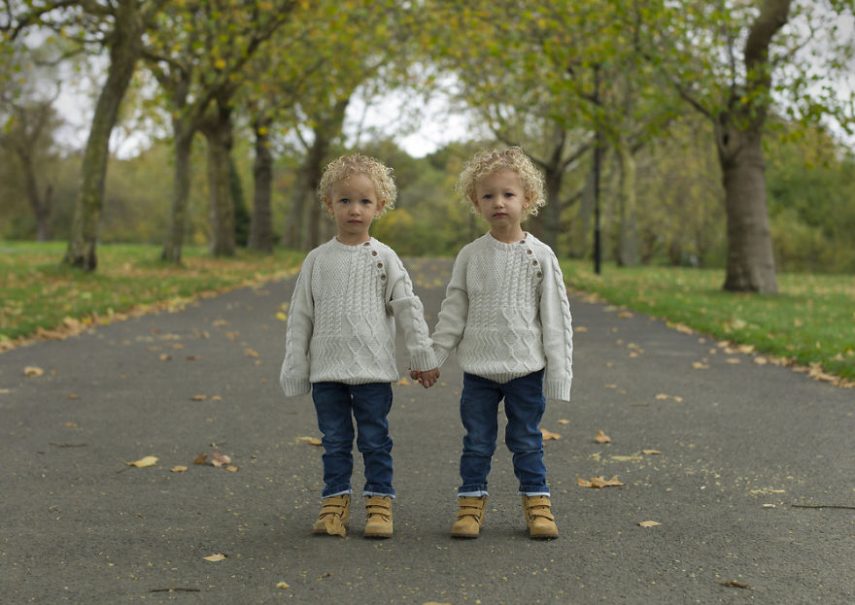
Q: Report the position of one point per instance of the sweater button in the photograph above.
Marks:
(379, 265)
(539, 274)
(383, 276)
(528, 251)
(374, 253)
(534, 262)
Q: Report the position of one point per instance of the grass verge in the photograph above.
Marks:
(811, 322)
(43, 299)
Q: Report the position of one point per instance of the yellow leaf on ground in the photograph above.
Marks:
(216, 557)
(231, 468)
(281, 316)
(599, 482)
(601, 437)
(563, 421)
(201, 458)
(630, 458)
(178, 468)
(662, 396)
(282, 585)
(651, 452)
(733, 360)
(580, 329)
(33, 372)
(700, 366)
(219, 459)
(309, 440)
(761, 361)
(549, 435)
(649, 523)
(199, 397)
(404, 381)
(250, 352)
(144, 462)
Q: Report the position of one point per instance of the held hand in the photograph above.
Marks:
(428, 378)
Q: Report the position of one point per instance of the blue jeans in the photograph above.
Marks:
(336, 405)
(524, 407)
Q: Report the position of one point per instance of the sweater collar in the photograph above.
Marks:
(503, 246)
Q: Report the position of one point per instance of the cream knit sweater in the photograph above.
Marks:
(507, 314)
(341, 324)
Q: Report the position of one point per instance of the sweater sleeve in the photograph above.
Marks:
(556, 323)
(294, 376)
(451, 321)
(409, 314)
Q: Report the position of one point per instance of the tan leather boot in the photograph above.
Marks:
(539, 518)
(334, 515)
(378, 517)
(470, 517)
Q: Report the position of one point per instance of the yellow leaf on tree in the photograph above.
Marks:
(144, 462)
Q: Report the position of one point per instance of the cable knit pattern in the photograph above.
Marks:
(341, 324)
(507, 314)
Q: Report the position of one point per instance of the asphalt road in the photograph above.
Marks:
(739, 445)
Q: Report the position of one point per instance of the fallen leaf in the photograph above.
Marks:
(199, 397)
(33, 372)
(200, 458)
(700, 366)
(71, 425)
(165, 357)
(662, 396)
(73, 396)
(761, 361)
(231, 468)
(281, 316)
(216, 557)
(735, 584)
(601, 437)
(178, 469)
(599, 482)
(563, 421)
(144, 462)
(309, 440)
(282, 585)
(250, 352)
(630, 458)
(651, 452)
(649, 523)
(218, 459)
(549, 435)
(404, 381)
(733, 361)
(580, 329)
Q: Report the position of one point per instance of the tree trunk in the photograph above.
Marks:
(739, 139)
(40, 206)
(183, 147)
(627, 252)
(125, 49)
(217, 128)
(261, 227)
(750, 262)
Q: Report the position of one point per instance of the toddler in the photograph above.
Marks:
(340, 341)
(506, 313)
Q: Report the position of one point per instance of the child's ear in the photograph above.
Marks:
(328, 206)
(380, 205)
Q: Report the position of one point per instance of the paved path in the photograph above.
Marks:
(740, 444)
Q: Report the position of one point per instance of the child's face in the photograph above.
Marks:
(500, 198)
(354, 204)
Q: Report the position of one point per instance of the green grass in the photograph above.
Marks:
(40, 293)
(810, 321)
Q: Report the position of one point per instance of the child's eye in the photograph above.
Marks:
(344, 200)
(366, 202)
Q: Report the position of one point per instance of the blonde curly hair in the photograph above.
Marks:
(351, 164)
(489, 161)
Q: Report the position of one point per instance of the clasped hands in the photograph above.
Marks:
(426, 378)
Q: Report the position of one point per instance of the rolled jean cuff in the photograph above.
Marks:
(383, 494)
(539, 492)
(478, 493)
(338, 493)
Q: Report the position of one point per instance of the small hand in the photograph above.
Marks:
(428, 378)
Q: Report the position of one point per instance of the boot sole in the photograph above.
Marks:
(465, 536)
(377, 536)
